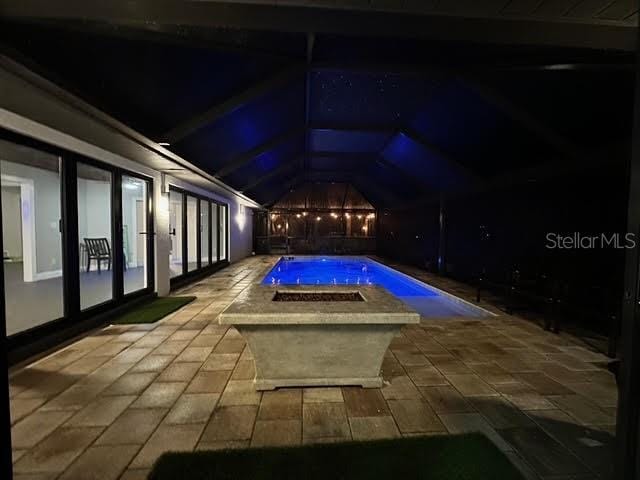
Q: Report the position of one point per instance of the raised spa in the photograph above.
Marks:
(317, 336)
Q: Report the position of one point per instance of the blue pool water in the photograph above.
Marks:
(364, 271)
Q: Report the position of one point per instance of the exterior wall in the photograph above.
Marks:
(32, 110)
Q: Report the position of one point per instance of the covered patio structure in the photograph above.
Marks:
(109, 404)
(470, 145)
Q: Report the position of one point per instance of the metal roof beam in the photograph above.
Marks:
(270, 144)
(277, 80)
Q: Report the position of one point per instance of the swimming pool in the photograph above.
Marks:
(329, 270)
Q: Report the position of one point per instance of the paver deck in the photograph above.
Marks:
(109, 404)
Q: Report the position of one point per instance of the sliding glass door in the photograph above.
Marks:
(95, 235)
(176, 267)
(31, 234)
(136, 233)
(223, 232)
(214, 233)
(78, 236)
(205, 251)
(197, 226)
(192, 233)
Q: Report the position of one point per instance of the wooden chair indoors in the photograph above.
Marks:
(98, 249)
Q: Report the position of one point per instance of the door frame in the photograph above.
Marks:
(215, 263)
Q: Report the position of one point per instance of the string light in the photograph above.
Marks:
(304, 214)
(318, 219)
(334, 215)
(298, 215)
(348, 215)
(359, 217)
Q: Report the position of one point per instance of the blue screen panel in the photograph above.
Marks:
(246, 128)
(324, 140)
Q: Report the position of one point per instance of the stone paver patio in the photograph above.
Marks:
(108, 405)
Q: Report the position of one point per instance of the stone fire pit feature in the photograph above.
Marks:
(304, 336)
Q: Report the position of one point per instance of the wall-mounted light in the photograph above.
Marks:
(298, 215)
(163, 203)
(164, 185)
(318, 219)
(304, 214)
(241, 217)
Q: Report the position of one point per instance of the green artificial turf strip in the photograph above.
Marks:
(154, 310)
(459, 457)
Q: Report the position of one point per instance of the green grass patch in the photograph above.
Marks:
(459, 457)
(153, 311)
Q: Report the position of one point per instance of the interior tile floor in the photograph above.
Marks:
(109, 404)
(29, 304)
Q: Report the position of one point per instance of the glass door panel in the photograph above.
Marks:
(192, 233)
(32, 256)
(223, 232)
(204, 233)
(176, 233)
(135, 238)
(214, 232)
(94, 235)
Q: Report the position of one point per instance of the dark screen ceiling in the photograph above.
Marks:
(399, 121)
